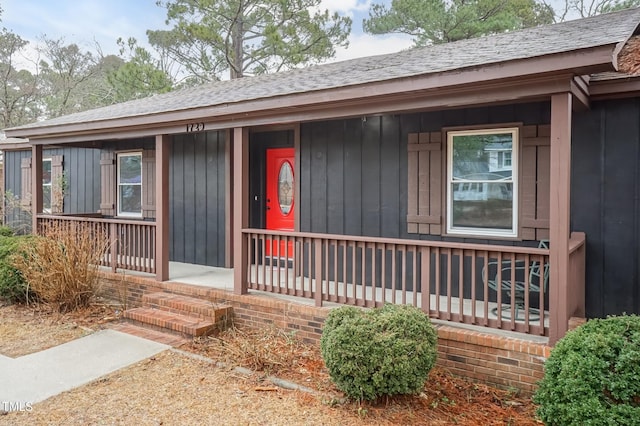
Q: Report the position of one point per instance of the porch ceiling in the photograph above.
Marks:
(454, 73)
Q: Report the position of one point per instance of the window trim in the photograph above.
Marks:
(515, 177)
(50, 185)
(119, 212)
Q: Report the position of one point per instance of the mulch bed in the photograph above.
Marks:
(202, 392)
(444, 400)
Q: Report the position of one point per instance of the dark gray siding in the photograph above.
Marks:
(354, 172)
(605, 194)
(197, 199)
(82, 168)
(13, 216)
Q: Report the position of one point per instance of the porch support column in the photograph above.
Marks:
(240, 207)
(36, 186)
(559, 215)
(162, 207)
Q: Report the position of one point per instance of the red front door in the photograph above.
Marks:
(280, 196)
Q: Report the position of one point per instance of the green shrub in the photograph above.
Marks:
(377, 352)
(593, 375)
(5, 231)
(13, 287)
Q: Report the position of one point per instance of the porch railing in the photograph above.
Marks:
(449, 281)
(576, 284)
(132, 243)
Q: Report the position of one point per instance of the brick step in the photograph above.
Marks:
(171, 321)
(167, 338)
(187, 305)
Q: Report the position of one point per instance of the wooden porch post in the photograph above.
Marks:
(162, 207)
(228, 200)
(559, 215)
(240, 207)
(36, 186)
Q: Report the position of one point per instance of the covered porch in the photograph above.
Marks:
(512, 286)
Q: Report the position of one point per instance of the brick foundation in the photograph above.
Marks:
(504, 362)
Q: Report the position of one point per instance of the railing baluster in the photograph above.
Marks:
(414, 288)
(374, 275)
(544, 261)
(437, 298)
(114, 246)
(527, 283)
(485, 288)
(394, 254)
(461, 281)
(363, 259)
(514, 305)
(317, 253)
(403, 250)
(425, 268)
(499, 292)
(383, 272)
(449, 254)
(345, 280)
(473, 286)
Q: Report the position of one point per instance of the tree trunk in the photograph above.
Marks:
(238, 48)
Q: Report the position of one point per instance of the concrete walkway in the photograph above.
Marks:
(38, 376)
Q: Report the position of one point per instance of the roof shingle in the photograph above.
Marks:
(568, 36)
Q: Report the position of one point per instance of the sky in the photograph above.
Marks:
(85, 22)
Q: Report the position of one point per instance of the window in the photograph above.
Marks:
(47, 186)
(482, 182)
(129, 175)
(506, 160)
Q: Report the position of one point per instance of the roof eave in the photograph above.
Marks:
(579, 62)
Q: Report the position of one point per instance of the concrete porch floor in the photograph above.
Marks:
(222, 279)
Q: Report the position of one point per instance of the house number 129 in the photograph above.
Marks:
(195, 127)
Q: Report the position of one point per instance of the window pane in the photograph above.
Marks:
(285, 188)
(46, 171)
(130, 199)
(130, 168)
(483, 205)
(481, 157)
(46, 197)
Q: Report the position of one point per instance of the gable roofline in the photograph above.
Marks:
(575, 47)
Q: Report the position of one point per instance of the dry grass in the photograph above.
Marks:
(172, 388)
(270, 351)
(61, 267)
(25, 330)
(445, 399)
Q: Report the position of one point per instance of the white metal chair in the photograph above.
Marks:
(538, 279)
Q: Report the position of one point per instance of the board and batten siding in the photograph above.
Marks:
(605, 203)
(354, 172)
(197, 199)
(82, 169)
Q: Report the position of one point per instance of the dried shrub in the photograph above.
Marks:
(61, 265)
(269, 349)
(378, 352)
(591, 376)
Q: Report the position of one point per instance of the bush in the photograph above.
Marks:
(592, 375)
(61, 266)
(13, 287)
(378, 352)
(5, 231)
